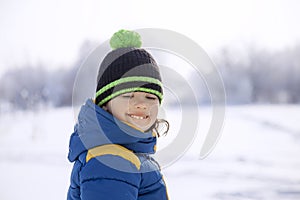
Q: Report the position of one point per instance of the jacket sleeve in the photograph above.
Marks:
(74, 189)
(99, 179)
(152, 185)
(108, 189)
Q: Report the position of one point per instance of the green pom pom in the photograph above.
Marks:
(125, 38)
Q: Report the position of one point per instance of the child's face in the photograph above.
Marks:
(137, 108)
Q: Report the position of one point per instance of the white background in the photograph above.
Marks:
(51, 32)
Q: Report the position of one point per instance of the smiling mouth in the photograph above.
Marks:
(138, 116)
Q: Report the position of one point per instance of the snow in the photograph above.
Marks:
(257, 157)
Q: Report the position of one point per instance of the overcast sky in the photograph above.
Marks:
(51, 31)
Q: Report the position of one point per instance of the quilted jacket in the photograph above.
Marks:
(112, 160)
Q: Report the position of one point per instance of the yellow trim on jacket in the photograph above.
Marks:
(114, 149)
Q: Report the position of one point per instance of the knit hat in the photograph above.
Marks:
(127, 68)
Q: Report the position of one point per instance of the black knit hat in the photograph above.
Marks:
(127, 68)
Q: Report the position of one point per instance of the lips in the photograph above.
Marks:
(138, 116)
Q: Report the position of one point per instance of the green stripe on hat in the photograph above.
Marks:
(126, 80)
(127, 90)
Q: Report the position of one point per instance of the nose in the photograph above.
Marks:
(139, 103)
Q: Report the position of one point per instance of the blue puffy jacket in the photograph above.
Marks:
(112, 160)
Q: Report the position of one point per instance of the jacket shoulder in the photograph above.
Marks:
(112, 151)
(111, 162)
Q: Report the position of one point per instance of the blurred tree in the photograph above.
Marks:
(250, 76)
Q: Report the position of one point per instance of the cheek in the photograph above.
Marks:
(154, 111)
(118, 110)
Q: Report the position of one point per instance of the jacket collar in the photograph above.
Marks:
(96, 127)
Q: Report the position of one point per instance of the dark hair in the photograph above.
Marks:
(161, 127)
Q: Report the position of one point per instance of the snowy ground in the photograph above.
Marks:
(257, 157)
